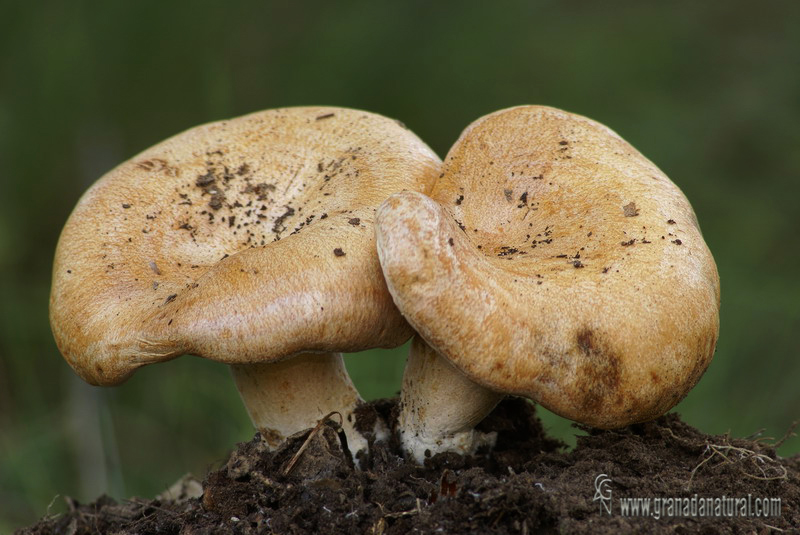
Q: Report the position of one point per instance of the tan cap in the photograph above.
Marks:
(554, 261)
(243, 241)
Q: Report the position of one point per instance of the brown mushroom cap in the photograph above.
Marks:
(554, 261)
(242, 241)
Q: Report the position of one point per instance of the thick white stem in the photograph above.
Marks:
(285, 397)
(440, 406)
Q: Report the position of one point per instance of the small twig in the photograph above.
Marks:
(789, 434)
(52, 502)
(756, 435)
(145, 505)
(499, 517)
(306, 443)
(683, 441)
(415, 511)
(696, 468)
(72, 504)
(724, 450)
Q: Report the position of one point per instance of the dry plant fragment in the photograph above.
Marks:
(551, 261)
(762, 467)
(221, 242)
(293, 461)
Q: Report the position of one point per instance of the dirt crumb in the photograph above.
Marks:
(216, 201)
(278, 226)
(206, 179)
(630, 210)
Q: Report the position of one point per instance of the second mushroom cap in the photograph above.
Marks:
(553, 261)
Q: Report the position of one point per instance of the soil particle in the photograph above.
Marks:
(630, 210)
(338, 252)
(216, 201)
(278, 226)
(506, 250)
(260, 190)
(354, 221)
(529, 484)
(205, 180)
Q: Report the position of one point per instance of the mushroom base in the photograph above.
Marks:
(291, 395)
(440, 407)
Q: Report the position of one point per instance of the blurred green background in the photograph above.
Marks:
(708, 91)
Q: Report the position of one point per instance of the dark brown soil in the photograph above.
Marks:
(529, 484)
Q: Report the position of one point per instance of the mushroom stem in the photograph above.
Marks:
(440, 406)
(291, 395)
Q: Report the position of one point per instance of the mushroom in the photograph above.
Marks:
(247, 242)
(551, 261)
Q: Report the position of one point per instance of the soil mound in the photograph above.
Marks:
(530, 483)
